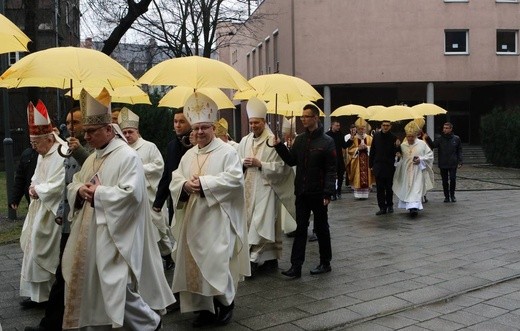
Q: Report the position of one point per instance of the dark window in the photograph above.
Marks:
(506, 41)
(456, 41)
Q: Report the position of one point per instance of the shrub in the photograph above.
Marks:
(500, 137)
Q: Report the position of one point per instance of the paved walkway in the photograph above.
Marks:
(456, 266)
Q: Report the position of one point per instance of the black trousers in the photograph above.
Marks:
(340, 175)
(53, 319)
(304, 205)
(385, 195)
(449, 188)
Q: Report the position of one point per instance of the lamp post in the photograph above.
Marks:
(8, 141)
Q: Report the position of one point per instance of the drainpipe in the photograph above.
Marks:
(326, 106)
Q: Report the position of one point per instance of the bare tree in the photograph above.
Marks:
(184, 27)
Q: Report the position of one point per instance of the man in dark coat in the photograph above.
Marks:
(381, 161)
(450, 159)
(23, 176)
(314, 155)
(175, 150)
(339, 141)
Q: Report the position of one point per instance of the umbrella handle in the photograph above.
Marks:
(66, 154)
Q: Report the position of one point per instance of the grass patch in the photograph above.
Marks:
(10, 229)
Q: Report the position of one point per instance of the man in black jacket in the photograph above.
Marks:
(381, 161)
(450, 158)
(314, 155)
(175, 150)
(23, 176)
(340, 143)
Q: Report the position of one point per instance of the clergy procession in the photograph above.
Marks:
(109, 216)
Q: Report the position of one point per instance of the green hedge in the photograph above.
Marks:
(501, 137)
(155, 123)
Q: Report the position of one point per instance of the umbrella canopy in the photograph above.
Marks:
(195, 72)
(177, 97)
(279, 86)
(427, 109)
(125, 94)
(294, 108)
(351, 109)
(59, 66)
(12, 39)
(393, 114)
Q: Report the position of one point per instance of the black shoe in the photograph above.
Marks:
(34, 328)
(313, 237)
(446, 199)
(168, 262)
(270, 264)
(321, 269)
(205, 318)
(254, 267)
(338, 195)
(381, 212)
(291, 234)
(390, 210)
(293, 272)
(29, 304)
(225, 313)
(414, 212)
(333, 198)
(425, 199)
(453, 199)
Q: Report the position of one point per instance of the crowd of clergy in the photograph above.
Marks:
(108, 215)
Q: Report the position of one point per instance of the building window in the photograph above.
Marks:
(15, 57)
(456, 42)
(260, 62)
(253, 63)
(456, 0)
(234, 57)
(248, 65)
(267, 59)
(276, 60)
(507, 41)
(510, 1)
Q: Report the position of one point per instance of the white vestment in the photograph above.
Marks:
(266, 190)
(412, 181)
(153, 165)
(210, 230)
(111, 244)
(40, 237)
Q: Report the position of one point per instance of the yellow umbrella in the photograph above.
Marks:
(279, 86)
(393, 114)
(125, 94)
(351, 109)
(195, 72)
(12, 39)
(177, 97)
(294, 108)
(427, 109)
(60, 67)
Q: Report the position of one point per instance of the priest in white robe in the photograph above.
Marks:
(40, 237)
(269, 184)
(111, 265)
(413, 175)
(210, 229)
(153, 165)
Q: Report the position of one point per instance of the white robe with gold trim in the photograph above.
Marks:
(211, 233)
(40, 237)
(412, 181)
(266, 191)
(111, 245)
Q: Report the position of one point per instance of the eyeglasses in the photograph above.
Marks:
(91, 131)
(35, 143)
(201, 128)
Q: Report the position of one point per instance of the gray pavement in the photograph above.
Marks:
(455, 267)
